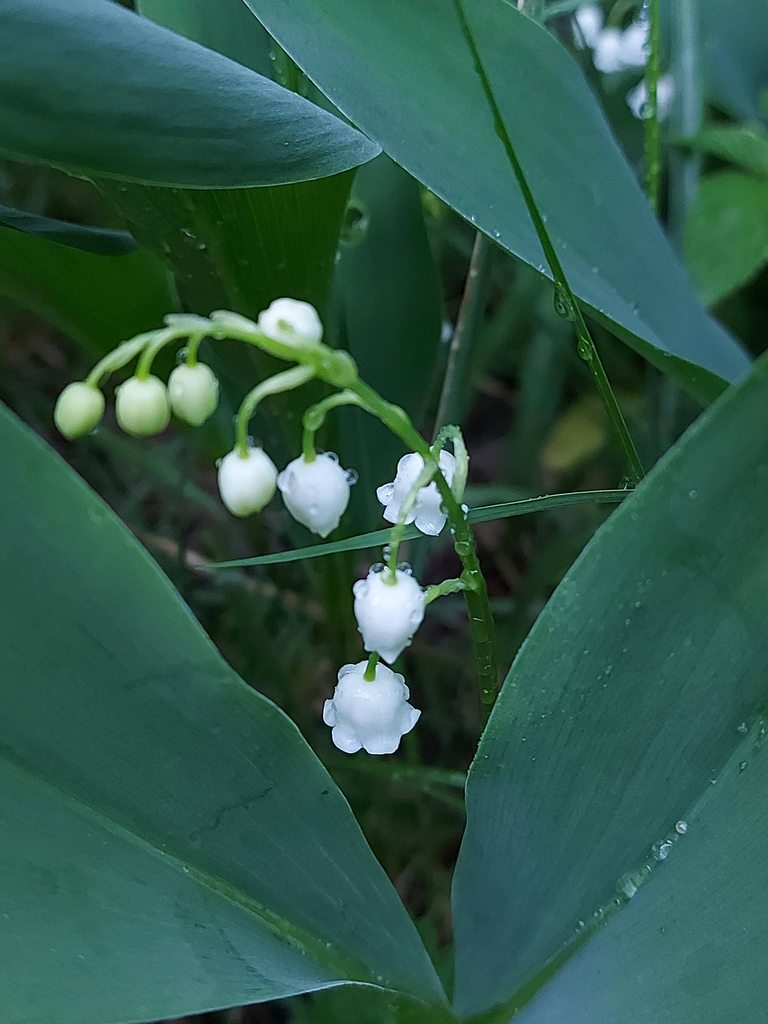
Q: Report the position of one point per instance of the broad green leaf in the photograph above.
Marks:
(390, 313)
(102, 241)
(169, 843)
(691, 946)
(734, 37)
(225, 26)
(726, 233)
(97, 300)
(484, 514)
(743, 145)
(89, 87)
(404, 74)
(625, 703)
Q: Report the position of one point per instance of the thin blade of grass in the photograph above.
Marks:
(483, 514)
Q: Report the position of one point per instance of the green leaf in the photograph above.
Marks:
(743, 145)
(102, 241)
(97, 300)
(91, 88)
(691, 946)
(404, 74)
(625, 703)
(486, 514)
(392, 329)
(225, 26)
(734, 50)
(726, 233)
(169, 843)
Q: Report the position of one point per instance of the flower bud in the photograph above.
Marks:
(292, 322)
(374, 715)
(246, 482)
(315, 493)
(194, 392)
(427, 511)
(79, 408)
(142, 406)
(388, 612)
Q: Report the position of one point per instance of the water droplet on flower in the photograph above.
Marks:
(377, 567)
(331, 455)
(405, 567)
(352, 477)
(181, 356)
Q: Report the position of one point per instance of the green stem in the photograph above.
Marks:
(652, 132)
(370, 669)
(396, 536)
(687, 111)
(315, 416)
(119, 357)
(441, 589)
(450, 407)
(285, 381)
(565, 301)
(476, 592)
(454, 434)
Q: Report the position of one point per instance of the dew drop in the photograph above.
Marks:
(743, 728)
(405, 567)
(377, 567)
(681, 827)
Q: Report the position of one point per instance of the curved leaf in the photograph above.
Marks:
(102, 241)
(89, 87)
(625, 703)
(402, 71)
(169, 843)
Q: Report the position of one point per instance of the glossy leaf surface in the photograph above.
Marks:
(404, 73)
(89, 87)
(629, 697)
(169, 843)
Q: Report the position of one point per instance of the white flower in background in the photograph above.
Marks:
(316, 493)
(292, 322)
(388, 613)
(142, 406)
(613, 49)
(247, 482)
(194, 392)
(79, 409)
(373, 715)
(426, 512)
(637, 98)
(589, 18)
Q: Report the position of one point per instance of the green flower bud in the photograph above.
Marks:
(142, 406)
(79, 408)
(194, 393)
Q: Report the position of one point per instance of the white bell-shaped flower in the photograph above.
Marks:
(427, 511)
(79, 408)
(637, 98)
(247, 482)
(373, 715)
(316, 493)
(607, 55)
(142, 407)
(291, 321)
(388, 611)
(194, 392)
(589, 18)
(634, 44)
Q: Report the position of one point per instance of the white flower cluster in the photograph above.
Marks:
(369, 708)
(614, 49)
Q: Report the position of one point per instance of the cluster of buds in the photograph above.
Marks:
(369, 708)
